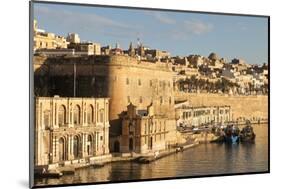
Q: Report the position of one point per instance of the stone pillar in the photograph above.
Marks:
(97, 143)
(69, 157)
(83, 145)
(55, 155)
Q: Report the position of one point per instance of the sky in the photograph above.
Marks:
(180, 33)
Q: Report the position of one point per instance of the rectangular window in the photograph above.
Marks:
(128, 99)
(127, 81)
(150, 83)
(139, 82)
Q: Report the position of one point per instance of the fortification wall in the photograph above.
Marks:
(122, 79)
(242, 106)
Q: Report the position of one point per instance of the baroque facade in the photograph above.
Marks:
(144, 132)
(70, 130)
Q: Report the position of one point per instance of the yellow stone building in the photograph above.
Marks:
(189, 116)
(70, 131)
(144, 132)
(125, 80)
(45, 40)
(121, 78)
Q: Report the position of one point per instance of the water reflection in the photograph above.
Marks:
(205, 159)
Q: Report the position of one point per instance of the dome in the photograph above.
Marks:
(213, 56)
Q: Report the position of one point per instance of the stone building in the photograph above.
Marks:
(157, 53)
(73, 38)
(86, 48)
(144, 132)
(45, 40)
(70, 131)
(123, 79)
(188, 116)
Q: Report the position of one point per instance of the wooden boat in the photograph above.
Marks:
(247, 134)
(231, 134)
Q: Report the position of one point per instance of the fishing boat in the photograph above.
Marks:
(231, 134)
(218, 132)
(247, 134)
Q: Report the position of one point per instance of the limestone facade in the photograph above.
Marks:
(122, 78)
(45, 40)
(144, 132)
(70, 130)
(85, 48)
(200, 115)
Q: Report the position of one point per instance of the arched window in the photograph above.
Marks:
(62, 115)
(90, 114)
(77, 115)
(76, 147)
(62, 150)
(90, 145)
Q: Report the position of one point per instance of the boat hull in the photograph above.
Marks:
(231, 139)
(248, 138)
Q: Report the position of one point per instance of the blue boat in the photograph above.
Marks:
(231, 134)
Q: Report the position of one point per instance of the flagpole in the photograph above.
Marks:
(74, 79)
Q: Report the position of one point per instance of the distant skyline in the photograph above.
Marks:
(180, 33)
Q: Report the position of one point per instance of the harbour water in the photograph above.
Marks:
(205, 159)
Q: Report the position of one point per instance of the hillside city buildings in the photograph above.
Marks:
(93, 100)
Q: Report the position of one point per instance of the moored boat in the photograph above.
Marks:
(231, 134)
(247, 134)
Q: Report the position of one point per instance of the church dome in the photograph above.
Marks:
(213, 56)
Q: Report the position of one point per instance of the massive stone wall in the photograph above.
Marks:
(242, 106)
(121, 78)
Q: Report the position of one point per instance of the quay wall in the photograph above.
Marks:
(250, 107)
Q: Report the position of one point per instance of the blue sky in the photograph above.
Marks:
(180, 33)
